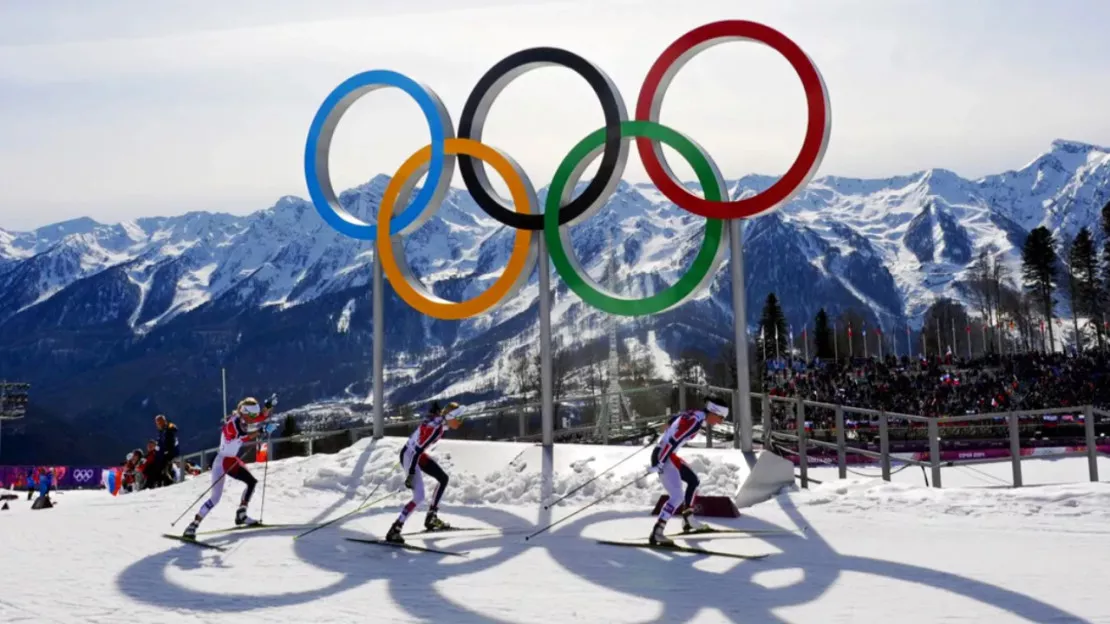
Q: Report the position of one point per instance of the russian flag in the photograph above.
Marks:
(113, 479)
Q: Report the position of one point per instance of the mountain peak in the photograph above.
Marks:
(80, 225)
(1076, 147)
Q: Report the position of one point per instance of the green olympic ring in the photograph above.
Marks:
(705, 264)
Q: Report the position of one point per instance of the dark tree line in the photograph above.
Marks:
(1051, 269)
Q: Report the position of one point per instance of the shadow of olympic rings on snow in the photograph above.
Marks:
(409, 574)
(683, 589)
(648, 574)
(146, 580)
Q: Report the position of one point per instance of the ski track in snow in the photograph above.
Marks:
(874, 551)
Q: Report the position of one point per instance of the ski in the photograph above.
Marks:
(253, 526)
(192, 541)
(448, 530)
(319, 525)
(711, 531)
(689, 549)
(406, 546)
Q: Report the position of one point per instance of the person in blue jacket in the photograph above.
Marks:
(45, 481)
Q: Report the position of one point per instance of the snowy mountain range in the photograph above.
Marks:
(114, 323)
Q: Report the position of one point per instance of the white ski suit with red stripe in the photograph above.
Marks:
(684, 426)
(234, 432)
(414, 460)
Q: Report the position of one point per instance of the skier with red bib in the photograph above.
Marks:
(673, 471)
(415, 455)
(240, 426)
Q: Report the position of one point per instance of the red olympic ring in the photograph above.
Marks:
(818, 122)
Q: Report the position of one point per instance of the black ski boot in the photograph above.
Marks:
(394, 534)
(242, 519)
(433, 523)
(657, 538)
(691, 526)
(191, 530)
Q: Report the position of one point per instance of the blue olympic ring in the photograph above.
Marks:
(440, 169)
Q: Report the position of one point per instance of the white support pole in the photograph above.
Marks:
(740, 333)
(547, 407)
(379, 348)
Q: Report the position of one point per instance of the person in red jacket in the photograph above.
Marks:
(149, 467)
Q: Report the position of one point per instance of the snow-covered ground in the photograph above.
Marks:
(873, 552)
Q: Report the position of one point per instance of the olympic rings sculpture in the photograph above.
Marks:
(437, 160)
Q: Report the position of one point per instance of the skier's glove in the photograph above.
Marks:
(271, 428)
(271, 402)
(408, 482)
(657, 469)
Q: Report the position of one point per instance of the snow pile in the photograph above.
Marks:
(507, 473)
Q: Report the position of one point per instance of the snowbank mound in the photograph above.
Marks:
(511, 473)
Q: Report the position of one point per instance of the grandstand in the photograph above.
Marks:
(13, 402)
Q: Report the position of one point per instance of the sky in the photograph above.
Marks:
(120, 109)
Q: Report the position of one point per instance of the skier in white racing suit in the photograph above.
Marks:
(414, 455)
(241, 425)
(673, 471)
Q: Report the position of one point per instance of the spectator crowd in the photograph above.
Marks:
(155, 467)
(951, 386)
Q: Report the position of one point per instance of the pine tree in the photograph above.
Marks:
(1038, 271)
(822, 335)
(1086, 284)
(770, 321)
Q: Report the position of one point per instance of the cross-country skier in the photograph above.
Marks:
(241, 425)
(673, 471)
(415, 455)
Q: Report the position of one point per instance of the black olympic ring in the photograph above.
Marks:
(473, 120)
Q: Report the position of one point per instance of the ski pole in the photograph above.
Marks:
(346, 515)
(265, 473)
(353, 511)
(598, 475)
(199, 499)
(636, 480)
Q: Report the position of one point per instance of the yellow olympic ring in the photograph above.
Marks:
(390, 248)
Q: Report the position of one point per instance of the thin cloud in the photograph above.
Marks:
(164, 112)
